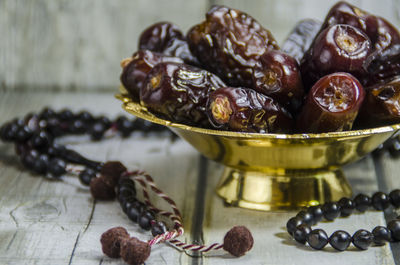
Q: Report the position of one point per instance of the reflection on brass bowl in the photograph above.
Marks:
(276, 171)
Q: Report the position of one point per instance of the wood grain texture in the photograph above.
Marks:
(57, 222)
(78, 45)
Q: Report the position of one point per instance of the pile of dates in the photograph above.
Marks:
(229, 73)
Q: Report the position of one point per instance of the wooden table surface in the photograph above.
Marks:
(57, 222)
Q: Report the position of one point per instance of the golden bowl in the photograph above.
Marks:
(276, 171)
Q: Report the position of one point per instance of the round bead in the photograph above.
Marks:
(56, 150)
(362, 239)
(85, 116)
(145, 219)
(41, 164)
(340, 240)
(306, 217)
(292, 223)
(331, 210)
(86, 176)
(46, 113)
(316, 212)
(125, 126)
(106, 121)
(28, 160)
(381, 235)
(126, 203)
(394, 149)
(126, 182)
(66, 115)
(134, 210)
(126, 191)
(347, 207)
(394, 196)
(40, 140)
(301, 232)
(394, 227)
(363, 202)
(380, 201)
(77, 126)
(158, 228)
(23, 133)
(57, 167)
(97, 131)
(317, 239)
(9, 131)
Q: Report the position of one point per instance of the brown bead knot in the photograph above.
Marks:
(134, 251)
(238, 241)
(111, 241)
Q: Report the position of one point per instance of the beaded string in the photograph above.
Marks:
(34, 138)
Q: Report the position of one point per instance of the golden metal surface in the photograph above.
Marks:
(276, 171)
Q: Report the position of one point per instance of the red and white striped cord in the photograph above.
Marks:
(146, 180)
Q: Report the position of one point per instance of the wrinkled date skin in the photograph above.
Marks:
(229, 43)
(381, 105)
(332, 104)
(301, 37)
(278, 75)
(168, 39)
(381, 33)
(156, 37)
(135, 69)
(339, 48)
(179, 92)
(245, 110)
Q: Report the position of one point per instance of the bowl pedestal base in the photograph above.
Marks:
(285, 190)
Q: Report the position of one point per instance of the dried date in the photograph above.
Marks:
(278, 75)
(245, 110)
(156, 37)
(301, 37)
(135, 69)
(179, 92)
(381, 105)
(229, 43)
(332, 104)
(339, 48)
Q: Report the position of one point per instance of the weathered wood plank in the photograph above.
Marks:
(77, 45)
(57, 222)
(272, 244)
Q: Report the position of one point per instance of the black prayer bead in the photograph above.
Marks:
(301, 232)
(23, 134)
(380, 201)
(394, 227)
(394, 196)
(316, 212)
(28, 159)
(126, 203)
(347, 207)
(57, 167)
(77, 126)
(125, 126)
(340, 240)
(331, 210)
(363, 202)
(41, 164)
(292, 224)
(40, 140)
(66, 115)
(317, 239)
(97, 131)
(56, 150)
(362, 239)
(381, 235)
(306, 217)
(46, 113)
(158, 228)
(145, 219)
(134, 210)
(86, 176)
(85, 116)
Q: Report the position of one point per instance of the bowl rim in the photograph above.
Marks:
(140, 111)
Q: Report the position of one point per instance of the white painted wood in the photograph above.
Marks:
(78, 45)
(57, 222)
(272, 244)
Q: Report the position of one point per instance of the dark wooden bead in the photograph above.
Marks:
(85, 116)
(145, 219)
(316, 212)
(66, 115)
(340, 240)
(394, 196)
(158, 228)
(86, 176)
(301, 232)
(362, 239)
(381, 235)
(97, 131)
(380, 201)
(331, 210)
(317, 239)
(41, 164)
(41, 140)
(23, 134)
(134, 210)
(306, 217)
(46, 113)
(292, 223)
(126, 203)
(347, 207)
(394, 227)
(57, 167)
(363, 202)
